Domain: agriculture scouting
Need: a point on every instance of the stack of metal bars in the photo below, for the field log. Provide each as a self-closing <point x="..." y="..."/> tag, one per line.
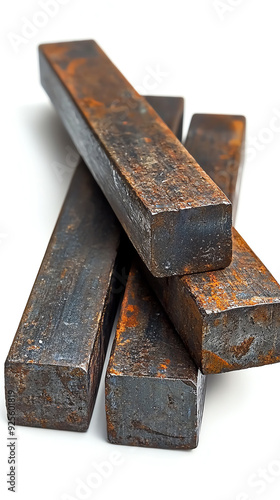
<point x="217" y="307"/>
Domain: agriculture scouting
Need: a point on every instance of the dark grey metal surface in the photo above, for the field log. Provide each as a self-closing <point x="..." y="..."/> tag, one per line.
<point x="218" y="143"/>
<point x="228" y="319"/>
<point x="72" y="306"/>
<point x="154" y="392"/>
<point x="56" y="359"/>
<point x="178" y="220"/>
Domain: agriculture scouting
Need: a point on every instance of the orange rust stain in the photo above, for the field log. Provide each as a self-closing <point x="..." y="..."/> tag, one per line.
<point x="19" y="373"/>
<point x="124" y="342"/>
<point x="218" y="294"/>
<point x="216" y="321"/>
<point x="261" y="315"/>
<point x="77" y="372"/>
<point x="46" y="396"/>
<point x="238" y="126"/>
<point x="269" y="358"/>
<point x="215" y="293"/>
<point x="62" y="276"/>
<point x="73" y="418"/>
<point x="57" y="51"/>
<point x="165" y="364"/>
<point x="92" y="103"/>
<point x="33" y="348"/>
<point x="30" y="361"/>
<point x="147" y="139"/>
<point x="43" y="422"/>
<point x="74" y="65"/>
<point x="162" y="367"/>
<point x="214" y="364"/>
<point x="128" y="319"/>
<point x="243" y="348"/>
<point x="115" y="372"/>
<point x="125" y="123"/>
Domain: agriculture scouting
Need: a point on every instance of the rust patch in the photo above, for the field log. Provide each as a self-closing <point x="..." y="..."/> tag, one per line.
<point x="46" y="396"/>
<point x="77" y="372"/>
<point x="63" y="273"/>
<point x="115" y="372"/>
<point x="269" y="358"/>
<point x="74" y="418"/>
<point x="74" y="65"/>
<point x="162" y="368"/>
<point x="211" y="363"/>
<point x="33" y="348"/>
<point x="261" y="315"/>
<point x="242" y="349"/>
<point x="128" y="319"/>
<point x="92" y="103"/>
<point x="19" y="374"/>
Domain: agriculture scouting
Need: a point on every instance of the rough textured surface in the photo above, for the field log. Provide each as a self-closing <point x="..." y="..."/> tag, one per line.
<point x="176" y="217"/>
<point x="56" y="359"/>
<point x="154" y="392"/>
<point x="217" y="142"/>
<point x="229" y="319"/>
<point x="50" y="371"/>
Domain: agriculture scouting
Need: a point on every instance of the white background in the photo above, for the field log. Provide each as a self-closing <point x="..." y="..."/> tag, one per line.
<point x="221" y="62"/>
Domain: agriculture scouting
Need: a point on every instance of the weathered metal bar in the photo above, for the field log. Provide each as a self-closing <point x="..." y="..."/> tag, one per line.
<point x="176" y="217"/>
<point x="228" y="319"/>
<point x="218" y="142"/>
<point x="74" y="303"/>
<point x="154" y="392"/>
<point x="56" y="359"/>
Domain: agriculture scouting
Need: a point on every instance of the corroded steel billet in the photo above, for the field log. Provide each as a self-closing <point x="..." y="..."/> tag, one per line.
<point x="178" y="220"/>
<point x="57" y="356"/>
<point x="229" y="319"/>
<point x="62" y="338"/>
<point x="217" y="142"/>
<point x="154" y="392"/>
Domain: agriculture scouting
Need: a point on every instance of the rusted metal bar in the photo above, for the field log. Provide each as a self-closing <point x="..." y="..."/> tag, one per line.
<point x="154" y="392"/>
<point x="218" y="142"/>
<point x="176" y="217"/>
<point x="56" y="359"/>
<point x="62" y="338"/>
<point x="228" y="319"/>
